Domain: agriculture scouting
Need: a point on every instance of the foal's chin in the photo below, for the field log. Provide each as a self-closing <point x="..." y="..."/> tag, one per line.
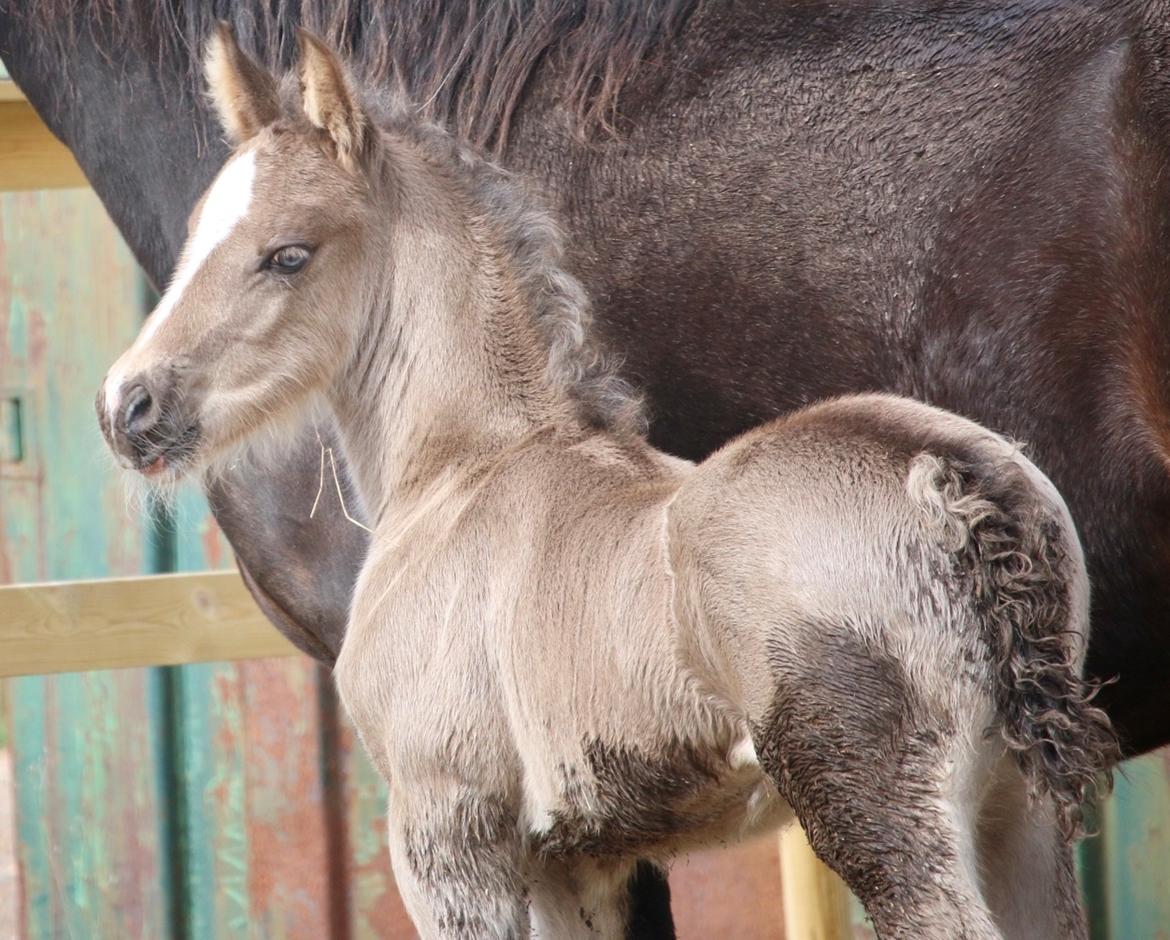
<point x="225" y="448"/>
<point x="156" y="484"/>
<point x="258" y="444"/>
<point x="149" y="492"/>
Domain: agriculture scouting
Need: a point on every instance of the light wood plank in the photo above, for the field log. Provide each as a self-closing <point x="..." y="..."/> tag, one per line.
<point x="9" y="91"/>
<point x="117" y="623"/>
<point x="816" y="901"/>
<point x="30" y="156"/>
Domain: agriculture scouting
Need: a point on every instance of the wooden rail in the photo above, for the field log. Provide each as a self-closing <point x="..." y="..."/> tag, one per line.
<point x="30" y="156"/>
<point x="116" y="623"/>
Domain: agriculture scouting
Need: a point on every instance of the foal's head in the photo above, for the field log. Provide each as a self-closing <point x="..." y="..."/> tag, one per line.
<point x="317" y="226"/>
<point x="277" y="266"/>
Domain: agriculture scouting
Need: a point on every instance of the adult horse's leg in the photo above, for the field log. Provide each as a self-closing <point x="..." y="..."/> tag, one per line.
<point x="649" y="908"/>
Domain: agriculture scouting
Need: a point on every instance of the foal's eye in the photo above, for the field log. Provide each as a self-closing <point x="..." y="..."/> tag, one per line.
<point x="287" y="260"/>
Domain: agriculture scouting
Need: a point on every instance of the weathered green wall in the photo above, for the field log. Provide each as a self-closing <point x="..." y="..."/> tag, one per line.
<point x="85" y="747"/>
<point x="193" y="802"/>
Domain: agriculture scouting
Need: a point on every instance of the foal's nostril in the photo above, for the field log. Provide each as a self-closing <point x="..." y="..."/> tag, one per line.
<point x="136" y="409"/>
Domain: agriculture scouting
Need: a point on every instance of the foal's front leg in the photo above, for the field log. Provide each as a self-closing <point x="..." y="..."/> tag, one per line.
<point x="457" y="862"/>
<point x="585" y="899"/>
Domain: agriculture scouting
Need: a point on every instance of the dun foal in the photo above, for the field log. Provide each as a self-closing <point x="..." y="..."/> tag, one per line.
<point x="568" y="650"/>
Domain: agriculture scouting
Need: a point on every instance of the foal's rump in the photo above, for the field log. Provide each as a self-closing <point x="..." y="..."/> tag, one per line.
<point x="895" y="599"/>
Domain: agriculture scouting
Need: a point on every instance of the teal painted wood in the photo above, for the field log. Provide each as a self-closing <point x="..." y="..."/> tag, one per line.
<point x="88" y="804"/>
<point x="375" y="908"/>
<point x="209" y="760"/>
<point x="252" y="811"/>
<point x="1131" y="857"/>
<point x="182" y="802"/>
<point x="208" y="753"/>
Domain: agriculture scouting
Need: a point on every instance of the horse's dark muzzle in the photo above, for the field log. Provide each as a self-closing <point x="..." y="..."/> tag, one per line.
<point x="147" y="430"/>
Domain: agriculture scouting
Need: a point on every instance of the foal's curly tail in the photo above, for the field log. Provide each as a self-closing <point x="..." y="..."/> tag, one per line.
<point x="1012" y="547"/>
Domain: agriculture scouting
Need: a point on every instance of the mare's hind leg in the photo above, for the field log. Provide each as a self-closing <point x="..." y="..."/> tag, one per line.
<point x="871" y="771"/>
<point x="1029" y="877"/>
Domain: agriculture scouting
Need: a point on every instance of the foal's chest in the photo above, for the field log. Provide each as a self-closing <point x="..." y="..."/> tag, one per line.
<point x="554" y="651"/>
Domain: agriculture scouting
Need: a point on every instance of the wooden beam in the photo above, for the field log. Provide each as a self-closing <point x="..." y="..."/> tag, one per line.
<point x="30" y="156"/>
<point x="114" y="623"/>
<point x="815" y="901"/>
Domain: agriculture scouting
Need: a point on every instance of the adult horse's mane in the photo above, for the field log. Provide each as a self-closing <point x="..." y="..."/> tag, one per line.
<point x="468" y="63"/>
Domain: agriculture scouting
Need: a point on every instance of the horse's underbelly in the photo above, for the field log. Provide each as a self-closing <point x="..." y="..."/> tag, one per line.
<point x="628" y="804"/>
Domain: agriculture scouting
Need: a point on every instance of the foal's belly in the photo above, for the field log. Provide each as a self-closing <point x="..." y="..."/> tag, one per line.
<point x="626" y="804"/>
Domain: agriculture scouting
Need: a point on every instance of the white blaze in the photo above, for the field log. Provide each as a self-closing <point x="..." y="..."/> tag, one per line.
<point x="226" y="204"/>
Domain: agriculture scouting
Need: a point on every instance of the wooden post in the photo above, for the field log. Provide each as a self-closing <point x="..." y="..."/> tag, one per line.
<point x="30" y="156"/>
<point x="816" y="901"/>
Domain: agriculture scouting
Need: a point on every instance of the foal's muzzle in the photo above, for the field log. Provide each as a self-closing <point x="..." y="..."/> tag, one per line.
<point x="145" y="423"/>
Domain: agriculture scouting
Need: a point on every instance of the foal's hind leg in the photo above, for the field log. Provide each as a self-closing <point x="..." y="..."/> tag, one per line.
<point x="580" y="899"/>
<point x="869" y="770"/>
<point x="1029" y="877"/>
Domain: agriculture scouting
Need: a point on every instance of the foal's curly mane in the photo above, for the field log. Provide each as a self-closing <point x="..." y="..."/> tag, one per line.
<point x="578" y="363"/>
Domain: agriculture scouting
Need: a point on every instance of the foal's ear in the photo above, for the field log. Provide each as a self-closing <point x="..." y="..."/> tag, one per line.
<point x="330" y="101"/>
<point x="244" y="94"/>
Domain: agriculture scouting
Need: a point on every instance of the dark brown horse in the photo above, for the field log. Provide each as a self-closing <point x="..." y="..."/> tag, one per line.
<point x="966" y="202"/>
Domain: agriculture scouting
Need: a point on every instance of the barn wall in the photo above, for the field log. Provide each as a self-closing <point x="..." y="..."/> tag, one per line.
<point x="87" y="802"/>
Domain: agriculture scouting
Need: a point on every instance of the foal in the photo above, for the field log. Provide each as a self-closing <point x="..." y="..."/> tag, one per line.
<point x="568" y="650"/>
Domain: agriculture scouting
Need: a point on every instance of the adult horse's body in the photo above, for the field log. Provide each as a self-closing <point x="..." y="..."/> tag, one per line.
<point x="965" y="202"/>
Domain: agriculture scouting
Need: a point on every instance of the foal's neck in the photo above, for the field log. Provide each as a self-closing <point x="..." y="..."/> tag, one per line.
<point x="451" y="368"/>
